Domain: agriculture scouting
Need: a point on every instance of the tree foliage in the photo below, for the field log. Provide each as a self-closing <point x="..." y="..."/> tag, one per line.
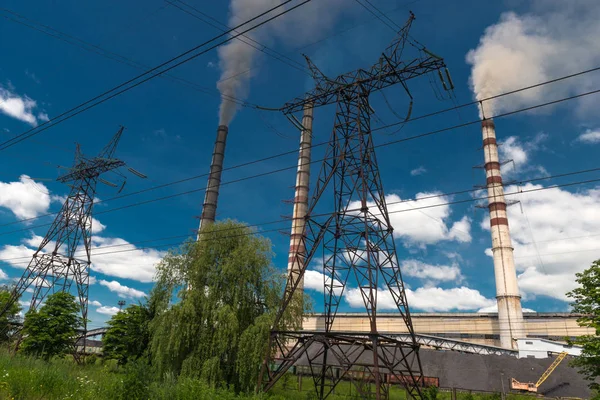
<point x="215" y="302"/>
<point x="52" y="330"/>
<point x="586" y="300"/>
<point x="8" y="319"/>
<point x="127" y="336"/>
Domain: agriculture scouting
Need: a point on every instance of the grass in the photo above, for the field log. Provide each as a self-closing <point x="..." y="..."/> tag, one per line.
<point x="26" y="378"/>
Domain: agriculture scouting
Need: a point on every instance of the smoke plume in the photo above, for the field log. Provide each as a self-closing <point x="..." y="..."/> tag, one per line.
<point x="236" y="57"/>
<point x="556" y="38"/>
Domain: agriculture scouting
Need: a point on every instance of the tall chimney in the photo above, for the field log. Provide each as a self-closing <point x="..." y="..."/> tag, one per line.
<point x="510" y="314"/>
<point x="209" y="208"/>
<point x="301" y="196"/>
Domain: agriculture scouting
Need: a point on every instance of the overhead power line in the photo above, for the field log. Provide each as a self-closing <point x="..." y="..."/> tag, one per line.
<point x="202" y="16"/>
<point x="154" y="72"/>
<point x="378" y="14"/>
<point x="325" y="214"/>
<point x="111" y="55"/>
<point x="462" y="125"/>
<point x="470" y="200"/>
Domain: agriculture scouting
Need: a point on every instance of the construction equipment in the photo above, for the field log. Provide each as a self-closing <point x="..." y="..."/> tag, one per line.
<point x="533" y="387"/>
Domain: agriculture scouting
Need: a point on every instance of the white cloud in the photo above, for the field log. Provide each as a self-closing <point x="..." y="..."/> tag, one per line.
<point x="518" y="151"/>
<point x="3" y="275"/>
<point x="122" y="290"/>
<point x="133" y="264"/>
<point x="556" y="39"/>
<point x="494" y="309"/>
<point x="107" y="310"/>
<point x="511" y="149"/>
<point x="16" y="106"/>
<point x="97" y="226"/>
<point x="557" y="226"/>
<point x="109" y="261"/>
<point x="418" y="171"/>
<point x="43" y="117"/>
<point x="421" y="227"/>
<point x="315" y="280"/>
<point x="590" y="136"/>
<point x="435" y="273"/>
<point x="16" y="256"/>
<point x="423" y="298"/>
<point x="95" y="303"/>
<point x="427" y="299"/>
<point x="25" y="198"/>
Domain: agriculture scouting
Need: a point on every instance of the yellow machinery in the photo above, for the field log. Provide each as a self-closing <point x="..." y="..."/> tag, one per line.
<point x="533" y="387"/>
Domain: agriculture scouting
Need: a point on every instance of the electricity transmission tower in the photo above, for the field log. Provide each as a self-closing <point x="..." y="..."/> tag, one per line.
<point x="356" y="240"/>
<point x="55" y="264"/>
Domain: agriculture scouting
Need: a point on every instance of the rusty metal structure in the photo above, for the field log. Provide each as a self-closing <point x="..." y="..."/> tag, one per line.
<point x="510" y="313"/>
<point x="57" y="264"/>
<point x="356" y="239"/>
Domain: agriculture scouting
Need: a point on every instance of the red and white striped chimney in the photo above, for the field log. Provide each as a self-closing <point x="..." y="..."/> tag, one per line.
<point x="301" y="196"/>
<point x="510" y="314"/>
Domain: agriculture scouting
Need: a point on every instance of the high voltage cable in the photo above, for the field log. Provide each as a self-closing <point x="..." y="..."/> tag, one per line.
<point x="351" y="210"/>
<point x="375" y="14"/>
<point x="31" y="132"/>
<point x="462" y="125"/>
<point x="247" y="40"/>
<point x="82" y="44"/>
<point x="78" y="109"/>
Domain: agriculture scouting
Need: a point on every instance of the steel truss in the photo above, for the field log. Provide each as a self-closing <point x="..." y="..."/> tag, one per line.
<point x="356" y="240"/>
<point x="54" y="265"/>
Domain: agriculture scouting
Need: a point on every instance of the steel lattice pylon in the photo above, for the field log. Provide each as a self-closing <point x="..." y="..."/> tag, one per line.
<point x="356" y="240"/>
<point x="54" y="265"/>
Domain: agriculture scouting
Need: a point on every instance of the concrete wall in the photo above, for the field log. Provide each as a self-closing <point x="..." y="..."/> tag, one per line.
<point x="482" y="328"/>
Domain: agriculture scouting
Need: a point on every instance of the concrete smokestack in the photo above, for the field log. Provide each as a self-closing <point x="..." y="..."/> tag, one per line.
<point x="510" y="314"/>
<point x="209" y="208"/>
<point x="301" y="196"/>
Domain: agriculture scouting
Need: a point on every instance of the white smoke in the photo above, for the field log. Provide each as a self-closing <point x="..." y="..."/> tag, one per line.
<point x="236" y="57"/>
<point x="557" y="38"/>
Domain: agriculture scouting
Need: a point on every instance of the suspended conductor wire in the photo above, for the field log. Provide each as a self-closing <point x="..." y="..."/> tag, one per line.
<point x="269" y="125"/>
<point x="430" y="133"/>
<point x="90" y="47"/>
<point x="99" y="99"/>
<point x="384" y="15"/>
<point x="244" y="39"/>
<point x="358" y="209"/>
<point x="376" y="16"/>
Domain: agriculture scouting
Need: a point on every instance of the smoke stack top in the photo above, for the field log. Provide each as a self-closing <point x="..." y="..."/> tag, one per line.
<point x="209" y="207"/>
<point x="550" y="41"/>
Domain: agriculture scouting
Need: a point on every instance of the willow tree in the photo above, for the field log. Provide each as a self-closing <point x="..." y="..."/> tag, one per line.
<point x="215" y="302"/>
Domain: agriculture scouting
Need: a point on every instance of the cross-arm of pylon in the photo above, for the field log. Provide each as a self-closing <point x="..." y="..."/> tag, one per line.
<point x="389" y="70"/>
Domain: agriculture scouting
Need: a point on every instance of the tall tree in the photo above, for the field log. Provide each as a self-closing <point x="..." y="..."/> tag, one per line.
<point x="52" y="330"/>
<point x="226" y="292"/>
<point x="8" y="319"/>
<point x="586" y="300"/>
<point x="127" y="336"/>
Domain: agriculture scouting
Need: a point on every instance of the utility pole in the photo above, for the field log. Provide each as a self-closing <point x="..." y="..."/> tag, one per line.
<point x="356" y="239"/>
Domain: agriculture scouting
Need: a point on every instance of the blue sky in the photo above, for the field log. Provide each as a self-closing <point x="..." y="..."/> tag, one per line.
<point x="171" y="130"/>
